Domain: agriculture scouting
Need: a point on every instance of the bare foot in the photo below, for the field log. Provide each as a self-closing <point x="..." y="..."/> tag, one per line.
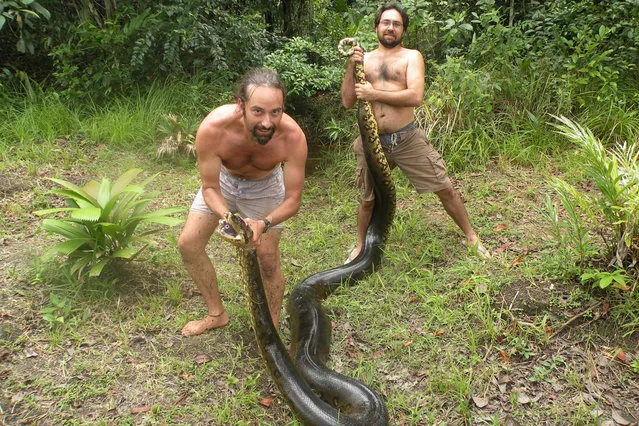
<point x="476" y="248"/>
<point x="209" y="322"/>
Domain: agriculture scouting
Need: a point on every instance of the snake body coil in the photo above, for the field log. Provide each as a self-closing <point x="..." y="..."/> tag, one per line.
<point x="342" y="400"/>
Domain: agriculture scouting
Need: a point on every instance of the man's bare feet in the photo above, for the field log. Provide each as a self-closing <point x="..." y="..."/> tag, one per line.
<point x="476" y="248"/>
<point x="209" y="322"/>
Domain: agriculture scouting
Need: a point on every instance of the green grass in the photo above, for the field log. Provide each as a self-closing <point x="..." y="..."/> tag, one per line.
<point x="430" y="329"/>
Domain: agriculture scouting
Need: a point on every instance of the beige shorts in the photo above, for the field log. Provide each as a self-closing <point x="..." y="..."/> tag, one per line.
<point x="415" y="156"/>
<point x="253" y="199"/>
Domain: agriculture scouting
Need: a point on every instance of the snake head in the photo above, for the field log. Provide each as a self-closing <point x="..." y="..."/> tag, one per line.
<point x="234" y="230"/>
<point x="350" y="42"/>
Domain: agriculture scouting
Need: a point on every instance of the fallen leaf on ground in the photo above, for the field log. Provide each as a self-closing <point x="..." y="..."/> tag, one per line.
<point x="480" y="402"/>
<point x="504" y="356"/>
<point x="181" y="399"/>
<point x="500" y="227"/>
<point x="522" y="398"/>
<point x="352" y="354"/>
<point x="623" y="418"/>
<point x="501" y="248"/>
<point x="267" y="401"/>
<point x="5" y="355"/>
<point x="185" y="376"/>
<point x="516" y="262"/>
<point x="138" y="410"/>
<point x="202" y="358"/>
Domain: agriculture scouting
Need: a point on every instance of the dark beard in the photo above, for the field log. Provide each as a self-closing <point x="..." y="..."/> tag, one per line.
<point x="262" y="139"/>
<point x="389" y="44"/>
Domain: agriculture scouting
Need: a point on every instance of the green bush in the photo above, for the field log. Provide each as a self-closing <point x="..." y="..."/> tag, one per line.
<point x="308" y="67"/>
<point x="170" y="41"/>
<point x="613" y="211"/>
<point x="103" y="222"/>
<point x="594" y="44"/>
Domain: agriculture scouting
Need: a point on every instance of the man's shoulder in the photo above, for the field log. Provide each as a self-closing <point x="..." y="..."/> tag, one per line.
<point x="290" y="125"/>
<point x="220" y="117"/>
<point x="293" y="134"/>
<point x="410" y="53"/>
<point x="223" y="112"/>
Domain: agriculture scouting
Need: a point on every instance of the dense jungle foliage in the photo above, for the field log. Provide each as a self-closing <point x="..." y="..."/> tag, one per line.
<point x="486" y="58"/>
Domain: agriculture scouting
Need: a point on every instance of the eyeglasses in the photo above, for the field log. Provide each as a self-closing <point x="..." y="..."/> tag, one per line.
<point x="387" y="23"/>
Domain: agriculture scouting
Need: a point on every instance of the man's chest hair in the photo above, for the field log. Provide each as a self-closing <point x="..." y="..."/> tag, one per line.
<point x="388" y="70"/>
<point x="261" y="158"/>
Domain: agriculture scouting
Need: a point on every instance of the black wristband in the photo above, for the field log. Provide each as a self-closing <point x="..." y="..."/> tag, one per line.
<point x="267" y="225"/>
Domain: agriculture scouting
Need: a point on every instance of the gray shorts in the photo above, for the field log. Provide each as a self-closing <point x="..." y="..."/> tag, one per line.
<point x="414" y="155"/>
<point x="253" y="199"/>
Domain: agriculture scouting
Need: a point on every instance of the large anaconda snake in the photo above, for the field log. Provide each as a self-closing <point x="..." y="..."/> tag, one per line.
<point x="304" y="377"/>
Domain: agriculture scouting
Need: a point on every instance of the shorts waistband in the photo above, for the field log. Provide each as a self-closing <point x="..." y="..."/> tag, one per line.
<point x="391" y="140"/>
<point x="409" y="126"/>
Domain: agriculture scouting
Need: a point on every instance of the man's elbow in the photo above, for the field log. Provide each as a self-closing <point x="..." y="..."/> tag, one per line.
<point x="417" y="101"/>
<point x="348" y="103"/>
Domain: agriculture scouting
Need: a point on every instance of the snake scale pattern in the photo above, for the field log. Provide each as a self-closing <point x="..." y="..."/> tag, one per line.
<point x="318" y="395"/>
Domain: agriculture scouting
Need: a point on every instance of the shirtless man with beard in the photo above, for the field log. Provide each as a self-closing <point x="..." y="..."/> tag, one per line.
<point x="394" y="87"/>
<point x="241" y="148"/>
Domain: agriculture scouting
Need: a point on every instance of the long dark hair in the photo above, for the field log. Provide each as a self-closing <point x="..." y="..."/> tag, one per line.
<point x="259" y="77"/>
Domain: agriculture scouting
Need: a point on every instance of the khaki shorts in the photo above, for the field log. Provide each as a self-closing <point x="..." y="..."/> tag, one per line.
<point x="253" y="199"/>
<point x="415" y="156"/>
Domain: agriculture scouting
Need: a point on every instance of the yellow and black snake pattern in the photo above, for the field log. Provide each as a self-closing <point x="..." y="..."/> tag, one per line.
<point x="318" y="395"/>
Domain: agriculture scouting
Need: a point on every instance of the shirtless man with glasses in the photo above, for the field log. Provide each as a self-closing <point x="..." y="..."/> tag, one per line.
<point x="395" y="86"/>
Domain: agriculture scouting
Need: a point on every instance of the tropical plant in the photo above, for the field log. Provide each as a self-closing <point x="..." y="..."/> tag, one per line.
<point x="603" y="279"/>
<point x="57" y="311"/>
<point x="616" y="206"/>
<point x="20" y="16"/>
<point x="103" y="221"/>
<point x="177" y="136"/>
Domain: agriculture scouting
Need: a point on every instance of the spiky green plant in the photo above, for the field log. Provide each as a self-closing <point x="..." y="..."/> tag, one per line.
<point x="103" y="220"/>
<point x="616" y="175"/>
<point x="178" y="136"/>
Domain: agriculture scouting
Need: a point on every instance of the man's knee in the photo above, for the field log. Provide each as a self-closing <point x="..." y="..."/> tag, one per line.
<point x="269" y="265"/>
<point x="447" y="194"/>
<point x="189" y="247"/>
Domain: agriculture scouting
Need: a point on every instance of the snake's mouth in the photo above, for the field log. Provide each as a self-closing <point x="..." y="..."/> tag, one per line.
<point x="233" y="229"/>
<point x="228" y="232"/>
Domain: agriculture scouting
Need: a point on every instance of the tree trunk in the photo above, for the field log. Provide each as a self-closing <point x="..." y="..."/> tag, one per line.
<point x="511" y="18"/>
